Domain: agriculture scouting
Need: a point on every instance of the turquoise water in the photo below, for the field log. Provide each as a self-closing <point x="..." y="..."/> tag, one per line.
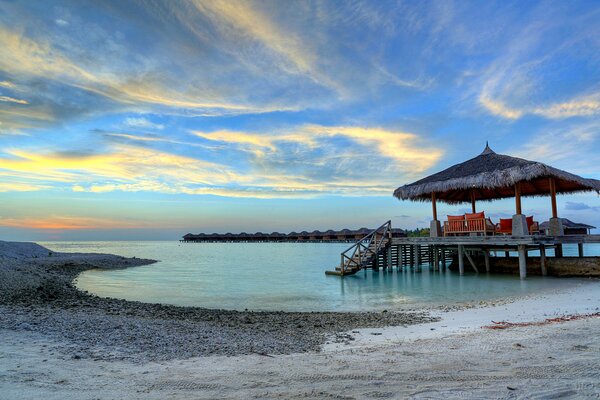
<point x="284" y="276"/>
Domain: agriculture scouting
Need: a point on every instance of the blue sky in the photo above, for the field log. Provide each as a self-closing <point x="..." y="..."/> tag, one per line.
<point x="150" y="119"/>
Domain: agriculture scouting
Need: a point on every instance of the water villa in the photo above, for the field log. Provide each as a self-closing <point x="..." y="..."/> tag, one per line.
<point x="473" y="236"/>
<point x="345" y="235"/>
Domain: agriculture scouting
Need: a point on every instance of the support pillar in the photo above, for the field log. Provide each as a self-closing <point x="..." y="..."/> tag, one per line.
<point x="580" y="249"/>
<point x="543" y="259"/>
<point x="519" y="223"/>
<point x="486" y="255"/>
<point x="435" y="228"/>
<point x="436" y="258"/>
<point x="555" y="226"/>
<point x="461" y="260"/>
<point x="443" y="258"/>
<point x="417" y="250"/>
<point x="522" y="261"/>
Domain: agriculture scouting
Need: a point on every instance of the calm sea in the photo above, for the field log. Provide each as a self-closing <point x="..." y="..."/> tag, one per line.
<point x="284" y="276"/>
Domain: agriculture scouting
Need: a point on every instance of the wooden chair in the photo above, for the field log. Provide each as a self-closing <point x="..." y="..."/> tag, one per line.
<point x="455" y="225"/>
<point x="532" y="226"/>
<point x="477" y="223"/>
<point x="504" y="227"/>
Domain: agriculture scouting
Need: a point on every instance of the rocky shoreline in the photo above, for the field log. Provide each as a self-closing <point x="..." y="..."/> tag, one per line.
<point x="37" y="295"/>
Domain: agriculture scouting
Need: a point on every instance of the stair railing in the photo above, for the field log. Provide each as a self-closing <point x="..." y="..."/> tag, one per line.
<point x="370" y="245"/>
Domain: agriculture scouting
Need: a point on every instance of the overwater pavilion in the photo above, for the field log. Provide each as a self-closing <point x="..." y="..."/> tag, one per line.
<point x="491" y="176"/>
<point x="487" y="177"/>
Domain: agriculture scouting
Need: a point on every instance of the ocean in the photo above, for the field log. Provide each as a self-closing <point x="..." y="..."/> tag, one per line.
<point x="286" y="277"/>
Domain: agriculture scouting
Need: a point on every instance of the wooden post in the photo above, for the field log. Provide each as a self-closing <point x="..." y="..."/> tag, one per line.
<point x="553" y="197"/>
<point x="558" y="250"/>
<point x="522" y="261"/>
<point x="436" y="258"/>
<point x="506" y="254"/>
<point x="433" y="206"/>
<point x="580" y="249"/>
<point x="518" y="198"/>
<point x="473" y="200"/>
<point x="461" y="260"/>
<point x="543" y="259"/>
<point x="443" y="258"/>
<point x="417" y="250"/>
<point x="471" y="262"/>
<point x="486" y="255"/>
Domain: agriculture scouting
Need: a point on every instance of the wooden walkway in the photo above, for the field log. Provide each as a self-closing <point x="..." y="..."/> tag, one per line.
<point x="412" y="252"/>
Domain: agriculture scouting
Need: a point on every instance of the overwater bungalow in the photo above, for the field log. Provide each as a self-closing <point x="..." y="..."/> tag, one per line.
<point x="487" y="177"/>
<point x="569" y="227"/>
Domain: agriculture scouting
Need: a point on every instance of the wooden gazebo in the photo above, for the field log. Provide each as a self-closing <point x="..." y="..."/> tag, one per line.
<point x="491" y="176"/>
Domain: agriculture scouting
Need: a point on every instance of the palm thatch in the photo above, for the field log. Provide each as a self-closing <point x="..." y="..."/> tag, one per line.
<point x="567" y="223"/>
<point x="492" y="176"/>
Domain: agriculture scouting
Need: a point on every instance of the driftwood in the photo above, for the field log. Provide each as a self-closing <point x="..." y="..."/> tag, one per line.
<point x="547" y="321"/>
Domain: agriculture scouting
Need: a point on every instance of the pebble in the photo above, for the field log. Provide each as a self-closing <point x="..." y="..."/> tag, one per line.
<point x="36" y="294"/>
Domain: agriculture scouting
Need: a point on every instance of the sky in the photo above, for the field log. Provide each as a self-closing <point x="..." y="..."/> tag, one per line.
<point x="146" y="120"/>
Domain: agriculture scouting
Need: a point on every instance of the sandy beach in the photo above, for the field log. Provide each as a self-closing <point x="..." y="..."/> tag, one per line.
<point x="60" y="343"/>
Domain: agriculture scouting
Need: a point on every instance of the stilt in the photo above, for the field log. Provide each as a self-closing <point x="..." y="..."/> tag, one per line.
<point x="436" y="258"/>
<point x="471" y="262"/>
<point x="506" y="254"/>
<point x="558" y="250"/>
<point x="486" y="255"/>
<point x="580" y="249"/>
<point x="543" y="259"/>
<point x="443" y="266"/>
<point x="522" y="261"/>
<point x="417" y="250"/>
<point x="461" y="260"/>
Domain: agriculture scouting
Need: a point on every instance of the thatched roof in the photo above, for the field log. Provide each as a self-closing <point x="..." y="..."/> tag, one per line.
<point x="492" y="176"/>
<point x="567" y="223"/>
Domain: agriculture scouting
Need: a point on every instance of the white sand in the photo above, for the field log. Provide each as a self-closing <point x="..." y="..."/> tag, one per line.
<point x="456" y="360"/>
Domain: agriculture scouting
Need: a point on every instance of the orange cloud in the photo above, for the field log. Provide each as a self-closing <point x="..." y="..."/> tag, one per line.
<point x="69" y="223"/>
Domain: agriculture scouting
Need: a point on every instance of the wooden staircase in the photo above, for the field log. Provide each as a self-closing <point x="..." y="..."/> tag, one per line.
<point x="365" y="252"/>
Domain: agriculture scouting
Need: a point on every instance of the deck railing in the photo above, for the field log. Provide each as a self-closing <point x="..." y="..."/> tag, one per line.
<point x="366" y="248"/>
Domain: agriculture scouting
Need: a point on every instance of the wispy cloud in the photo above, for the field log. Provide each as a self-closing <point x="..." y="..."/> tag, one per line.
<point x="531" y="77"/>
<point x="8" y="99"/>
<point x="142" y="123"/>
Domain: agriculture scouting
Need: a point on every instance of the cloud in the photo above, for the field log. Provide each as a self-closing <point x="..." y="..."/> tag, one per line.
<point x="531" y="77"/>
<point x="302" y="162"/>
<point x="571" y="146"/>
<point x="69" y="223"/>
<point x="21" y="187"/>
<point x="8" y="99"/>
<point x="574" y="206"/>
<point x="142" y="123"/>
<point x="405" y="149"/>
<point x="7" y="84"/>
<point x="27" y="59"/>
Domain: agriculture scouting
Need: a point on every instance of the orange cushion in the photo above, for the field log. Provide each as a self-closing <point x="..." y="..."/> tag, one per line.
<point x="505" y="224"/>
<point x="456" y="217"/>
<point x="478" y="215"/>
<point x="529" y="221"/>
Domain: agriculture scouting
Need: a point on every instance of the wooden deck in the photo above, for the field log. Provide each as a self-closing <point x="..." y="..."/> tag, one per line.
<point x="412" y="252"/>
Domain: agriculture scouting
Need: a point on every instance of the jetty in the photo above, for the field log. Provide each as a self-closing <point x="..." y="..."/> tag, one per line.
<point x="472" y="239"/>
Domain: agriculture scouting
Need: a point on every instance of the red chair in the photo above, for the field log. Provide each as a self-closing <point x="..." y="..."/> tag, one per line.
<point x="478" y="223"/>
<point x="455" y="225"/>
<point x="504" y="227"/>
